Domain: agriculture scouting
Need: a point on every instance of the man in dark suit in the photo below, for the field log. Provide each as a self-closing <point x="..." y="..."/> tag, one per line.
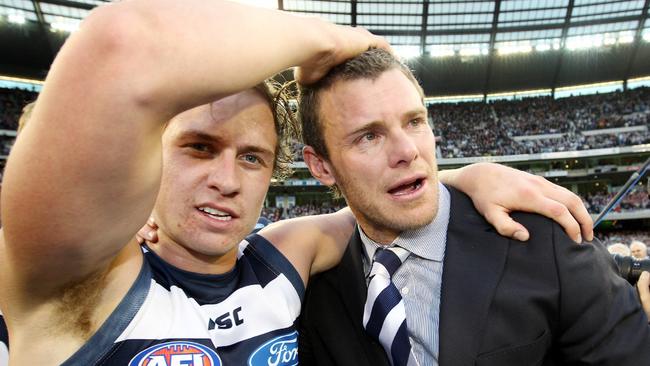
<point x="469" y="295"/>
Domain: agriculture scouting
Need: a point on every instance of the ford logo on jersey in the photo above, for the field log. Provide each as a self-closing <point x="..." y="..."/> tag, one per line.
<point x="280" y="351"/>
<point x="176" y="353"/>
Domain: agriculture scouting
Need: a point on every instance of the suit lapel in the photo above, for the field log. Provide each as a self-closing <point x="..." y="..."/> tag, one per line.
<point x="474" y="259"/>
<point x="350" y="282"/>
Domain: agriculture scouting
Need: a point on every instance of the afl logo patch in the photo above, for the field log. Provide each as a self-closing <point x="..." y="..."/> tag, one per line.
<point x="279" y="351"/>
<point x="176" y="353"/>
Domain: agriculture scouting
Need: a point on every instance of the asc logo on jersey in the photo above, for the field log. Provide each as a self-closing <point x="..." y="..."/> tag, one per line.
<point x="280" y="351"/>
<point x="176" y="353"/>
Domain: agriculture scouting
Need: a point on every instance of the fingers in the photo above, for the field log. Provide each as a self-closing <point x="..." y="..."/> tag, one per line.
<point x="148" y="232"/>
<point x="348" y="42"/>
<point x="561" y="214"/>
<point x="643" y="288"/>
<point x="505" y="225"/>
<point x="561" y="205"/>
<point x="577" y="209"/>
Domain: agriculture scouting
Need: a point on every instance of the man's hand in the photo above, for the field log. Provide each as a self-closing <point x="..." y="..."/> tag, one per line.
<point x="148" y="233"/>
<point x="497" y="190"/>
<point x="643" y="287"/>
<point x="346" y="42"/>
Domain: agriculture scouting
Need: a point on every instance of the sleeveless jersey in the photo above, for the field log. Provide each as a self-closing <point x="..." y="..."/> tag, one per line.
<point x="4" y="342"/>
<point x="172" y="317"/>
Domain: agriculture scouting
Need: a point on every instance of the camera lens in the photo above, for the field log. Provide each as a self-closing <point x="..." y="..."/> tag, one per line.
<point x="630" y="268"/>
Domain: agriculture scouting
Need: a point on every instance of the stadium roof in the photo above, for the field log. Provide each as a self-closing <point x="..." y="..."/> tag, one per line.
<point x="456" y="47"/>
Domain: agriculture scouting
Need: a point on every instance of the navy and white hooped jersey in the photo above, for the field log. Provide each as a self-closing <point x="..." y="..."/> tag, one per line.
<point x="174" y="317"/>
<point x="4" y="342"/>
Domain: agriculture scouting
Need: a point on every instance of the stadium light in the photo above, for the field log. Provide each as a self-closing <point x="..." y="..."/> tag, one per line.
<point x="473" y="50"/>
<point x="512" y="47"/>
<point x="16" y="18"/>
<point x="65" y="26"/>
<point x="543" y="47"/>
<point x="583" y="42"/>
<point x="609" y="39"/>
<point x="556" y="44"/>
<point x="646" y="36"/>
<point x="441" y="51"/>
<point x="470" y="51"/>
<point x="625" y="37"/>
<point x="407" y="52"/>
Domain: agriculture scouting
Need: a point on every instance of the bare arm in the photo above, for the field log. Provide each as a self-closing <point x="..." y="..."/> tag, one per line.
<point x="312" y="243"/>
<point x="83" y="175"/>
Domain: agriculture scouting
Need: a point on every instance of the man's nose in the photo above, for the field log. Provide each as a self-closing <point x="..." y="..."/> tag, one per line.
<point x="403" y="149"/>
<point x="224" y="174"/>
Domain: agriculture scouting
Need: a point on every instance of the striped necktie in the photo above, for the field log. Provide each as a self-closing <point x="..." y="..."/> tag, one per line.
<point x="384" y="316"/>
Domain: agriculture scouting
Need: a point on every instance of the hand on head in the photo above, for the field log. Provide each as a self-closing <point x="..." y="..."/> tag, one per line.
<point x="347" y="42"/>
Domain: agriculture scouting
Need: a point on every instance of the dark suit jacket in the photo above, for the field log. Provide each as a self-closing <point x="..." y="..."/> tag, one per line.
<point x="545" y="302"/>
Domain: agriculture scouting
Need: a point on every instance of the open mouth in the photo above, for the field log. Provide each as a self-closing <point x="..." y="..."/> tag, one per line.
<point x="216" y="214"/>
<point x="407" y="188"/>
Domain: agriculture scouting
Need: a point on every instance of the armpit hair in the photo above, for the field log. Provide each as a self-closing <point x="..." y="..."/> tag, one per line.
<point x="78" y="303"/>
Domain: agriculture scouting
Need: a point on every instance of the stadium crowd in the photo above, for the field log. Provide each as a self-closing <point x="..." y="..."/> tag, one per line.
<point x="281" y="213"/>
<point x="637" y="199"/>
<point x="523" y="126"/>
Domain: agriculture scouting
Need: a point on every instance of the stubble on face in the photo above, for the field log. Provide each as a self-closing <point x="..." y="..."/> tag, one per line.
<point x="366" y="177"/>
<point x="383" y="221"/>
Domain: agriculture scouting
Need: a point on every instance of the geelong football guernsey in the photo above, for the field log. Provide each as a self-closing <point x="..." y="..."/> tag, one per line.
<point x="172" y="317"/>
<point x="4" y="343"/>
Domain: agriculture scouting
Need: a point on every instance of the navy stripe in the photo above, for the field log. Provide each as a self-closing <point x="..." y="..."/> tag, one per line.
<point x="262" y="254"/>
<point x="401" y="346"/>
<point x="388" y="298"/>
<point x="4" y="333"/>
<point x="388" y="259"/>
<point x="202" y="287"/>
<point x="103" y="340"/>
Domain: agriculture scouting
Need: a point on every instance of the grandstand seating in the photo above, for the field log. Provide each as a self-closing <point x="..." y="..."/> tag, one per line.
<point x="542" y="124"/>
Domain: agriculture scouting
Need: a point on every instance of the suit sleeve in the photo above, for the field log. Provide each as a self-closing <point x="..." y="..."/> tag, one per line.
<point x="601" y="319"/>
<point x="305" y="351"/>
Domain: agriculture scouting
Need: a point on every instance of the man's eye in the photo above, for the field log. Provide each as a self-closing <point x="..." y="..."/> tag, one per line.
<point x="199" y="147"/>
<point x="369" y="136"/>
<point x="416" y="122"/>
<point x="251" y="159"/>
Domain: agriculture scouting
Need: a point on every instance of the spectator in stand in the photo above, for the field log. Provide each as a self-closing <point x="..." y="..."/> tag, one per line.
<point x="639" y="250"/>
<point x="623" y="236"/>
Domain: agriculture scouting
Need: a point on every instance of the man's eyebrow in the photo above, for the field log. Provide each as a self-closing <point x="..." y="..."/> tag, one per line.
<point x="368" y="126"/>
<point x="258" y="149"/>
<point x="199" y="135"/>
<point x="416" y="111"/>
<point x="378" y="124"/>
<point x="204" y="136"/>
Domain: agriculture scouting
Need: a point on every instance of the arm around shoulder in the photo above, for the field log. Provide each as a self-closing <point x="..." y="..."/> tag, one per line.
<point x="312" y="243"/>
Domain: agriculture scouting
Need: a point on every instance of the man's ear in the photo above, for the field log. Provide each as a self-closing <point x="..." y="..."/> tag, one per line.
<point x="318" y="167"/>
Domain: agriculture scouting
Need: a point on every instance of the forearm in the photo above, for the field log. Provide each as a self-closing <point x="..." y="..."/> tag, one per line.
<point x="450" y="177"/>
<point x="192" y="52"/>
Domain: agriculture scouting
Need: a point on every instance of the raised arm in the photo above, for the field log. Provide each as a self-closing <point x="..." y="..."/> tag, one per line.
<point x="83" y="175"/>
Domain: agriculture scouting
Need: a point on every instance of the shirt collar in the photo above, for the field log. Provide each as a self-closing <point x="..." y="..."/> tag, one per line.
<point x="427" y="242"/>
